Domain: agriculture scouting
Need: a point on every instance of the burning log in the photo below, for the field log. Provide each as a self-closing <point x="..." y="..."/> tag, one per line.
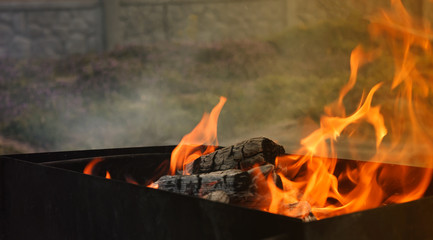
<point x="229" y="174"/>
<point x="231" y="185"/>
<point x="233" y="182"/>
<point x="238" y="174"/>
<point x="218" y="196"/>
<point x="244" y="155"/>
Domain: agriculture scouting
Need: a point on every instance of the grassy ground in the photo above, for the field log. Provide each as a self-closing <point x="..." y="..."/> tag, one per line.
<point x="154" y="94"/>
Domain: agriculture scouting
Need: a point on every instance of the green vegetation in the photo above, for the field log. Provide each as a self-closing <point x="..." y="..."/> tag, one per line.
<point x="154" y="94"/>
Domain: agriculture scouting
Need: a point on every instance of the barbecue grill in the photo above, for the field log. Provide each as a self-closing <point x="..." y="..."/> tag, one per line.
<point x="46" y="196"/>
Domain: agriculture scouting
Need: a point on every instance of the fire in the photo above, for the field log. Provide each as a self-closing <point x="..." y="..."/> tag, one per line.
<point x="89" y="167"/>
<point x="369" y="184"/>
<point x="191" y="145"/>
<point x="311" y="178"/>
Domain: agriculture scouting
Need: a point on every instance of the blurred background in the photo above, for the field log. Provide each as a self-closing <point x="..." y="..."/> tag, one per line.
<point x="86" y="74"/>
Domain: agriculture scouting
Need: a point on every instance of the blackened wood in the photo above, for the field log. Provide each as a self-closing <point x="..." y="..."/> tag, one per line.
<point x="264" y="170"/>
<point x="229" y="186"/>
<point x="243" y="155"/>
<point x="235" y="183"/>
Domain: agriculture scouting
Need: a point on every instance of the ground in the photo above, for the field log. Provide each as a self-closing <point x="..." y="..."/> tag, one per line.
<point x="154" y="94"/>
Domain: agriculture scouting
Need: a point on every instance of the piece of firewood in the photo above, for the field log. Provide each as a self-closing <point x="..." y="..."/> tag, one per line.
<point x="260" y="173"/>
<point x="218" y="196"/>
<point x="231" y="186"/>
<point x="301" y="209"/>
<point x="244" y="155"/>
<point x="235" y="183"/>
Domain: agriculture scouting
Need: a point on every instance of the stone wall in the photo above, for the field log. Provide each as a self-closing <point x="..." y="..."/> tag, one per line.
<point x="205" y="21"/>
<point x="55" y="28"/>
<point x="49" y="29"/>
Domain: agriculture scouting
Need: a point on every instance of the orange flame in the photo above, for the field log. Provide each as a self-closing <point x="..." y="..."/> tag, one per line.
<point x="153" y="185"/>
<point x="369" y="184"/>
<point x="89" y="167"/>
<point x="190" y="147"/>
<point x="313" y="179"/>
<point x="358" y="58"/>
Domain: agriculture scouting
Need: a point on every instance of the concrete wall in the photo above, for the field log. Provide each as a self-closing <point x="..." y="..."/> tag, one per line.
<point x="55" y="28"/>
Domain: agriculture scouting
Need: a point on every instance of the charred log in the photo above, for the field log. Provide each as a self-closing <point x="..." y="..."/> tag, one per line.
<point x="235" y="183"/>
<point x="230" y="186"/>
<point x="244" y="155"/>
<point x="218" y="196"/>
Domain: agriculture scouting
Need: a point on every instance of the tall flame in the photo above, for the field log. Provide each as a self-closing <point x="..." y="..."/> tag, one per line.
<point x="370" y="184"/>
<point x="191" y="145"/>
